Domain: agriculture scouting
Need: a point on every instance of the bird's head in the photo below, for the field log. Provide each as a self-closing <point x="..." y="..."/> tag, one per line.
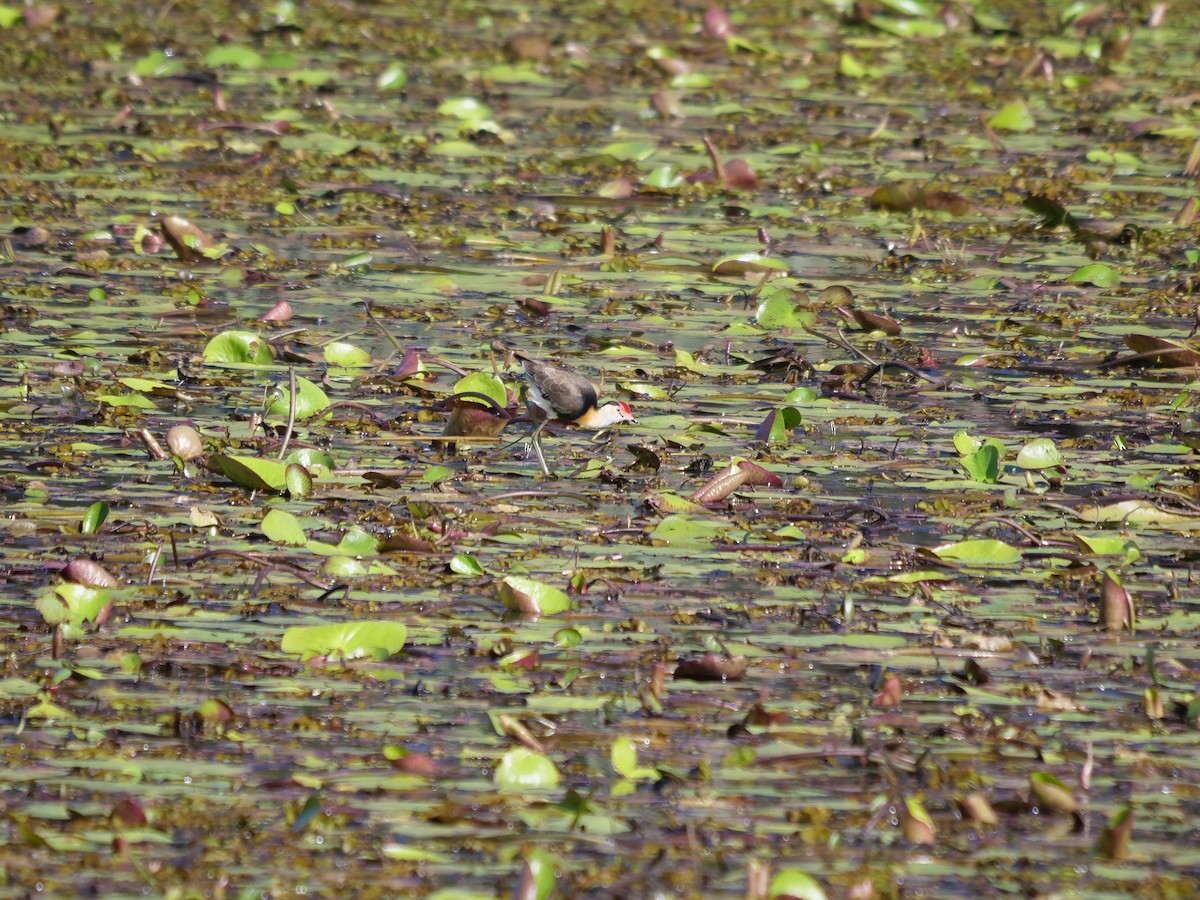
<point x="609" y="413"/>
<point x="619" y="411"/>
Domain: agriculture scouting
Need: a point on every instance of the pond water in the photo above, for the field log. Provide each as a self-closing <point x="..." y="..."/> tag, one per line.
<point x="901" y="297"/>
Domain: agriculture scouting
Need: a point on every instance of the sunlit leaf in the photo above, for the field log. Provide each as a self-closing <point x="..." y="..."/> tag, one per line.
<point x="1096" y="274"/>
<point x="94" y="518"/>
<point x="630" y="151"/>
<point x="73" y="603"/>
<point x="240" y="57"/>
<point x="751" y="263"/>
<point x="237" y="347"/>
<point x="346" y="641"/>
<point x="1051" y="794"/>
<point x="531" y="597"/>
<point x="778" y="310"/>
<point x="483" y="383"/>
<point x="794" y="883"/>
<point x="524" y="770"/>
<point x="685" y="530"/>
<point x="282" y="527"/>
<point x="980" y="552"/>
<point x="468" y="108"/>
<point x="393" y="78"/>
<point x="1105" y="545"/>
<point x="983" y="465"/>
<point x="1041" y="453"/>
<point x="339" y="353"/>
<point x="1013" y="116"/>
<point x="250" y="472"/>
<point x="310" y="400"/>
<point x="1136" y="512"/>
<point x="850" y="67"/>
<point x="465" y="564"/>
<point x="624" y="756"/>
<point x="663" y="178"/>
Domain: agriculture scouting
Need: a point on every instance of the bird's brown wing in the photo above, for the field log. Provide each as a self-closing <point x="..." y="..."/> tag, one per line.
<point x="570" y="393"/>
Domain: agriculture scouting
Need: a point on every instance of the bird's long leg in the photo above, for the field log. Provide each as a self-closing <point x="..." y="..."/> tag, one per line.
<point x="535" y="443"/>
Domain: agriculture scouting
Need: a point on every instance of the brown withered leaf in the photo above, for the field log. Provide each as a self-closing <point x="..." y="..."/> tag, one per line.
<point x="472" y="420"/>
<point x="871" y="321"/>
<point x="734" y="174"/>
<point x="528" y="47"/>
<point x="667" y="104"/>
<point x="410" y="364"/>
<point x="856" y="370"/>
<point x="711" y="667"/>
<point x="534" y="306"/>
<point x="992" y="643"/>
<point x="1117" y="835"/>
<point x="974" y="673"/>
<point x="906" y="196"/>
<point x="976" y="809"/>
<point x="1156" y="351"/>
<point x="759" y="716"/>
<point x="128" y="813"/>
<point x="406" y="543"/>
<point x="415" y="764"/>
<point x="917" y="824"/>
<point x="737" y="173"/>
<point x="1054" y="701"/>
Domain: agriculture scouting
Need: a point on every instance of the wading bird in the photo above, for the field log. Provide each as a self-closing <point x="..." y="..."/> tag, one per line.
<point x="563" y="395"/>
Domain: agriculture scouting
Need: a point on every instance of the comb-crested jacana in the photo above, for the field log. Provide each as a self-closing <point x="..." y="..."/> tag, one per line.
<point x="563" y="395"/>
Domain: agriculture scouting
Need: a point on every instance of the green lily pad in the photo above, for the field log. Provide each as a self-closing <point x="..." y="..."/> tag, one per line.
<point x="339" y="353"/>
<point x="1096" y="274"/>
<point x="1041" y="453"/>
<point x="393" y="78"/>
<point x="794" y="883"/>
<point x="238" y="348"/>
<point x="1013" y="116"/>
<point x="310" y="400"/>
<point x="346" y="641"/>
<point x="624" y="756"/>
<point x="282" y="527"/>
<point x="525" y="595"/>
<point x="251" y="472"/>
<point x="483" y="383"/>
<point x="522" y="769"/>
<point x="980" y="552"/>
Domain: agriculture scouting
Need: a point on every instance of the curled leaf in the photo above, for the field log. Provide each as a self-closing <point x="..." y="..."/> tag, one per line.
<point x="185" y="442"/>
<point x="1117" y="835"/>
<point x="1051" y="794"/>
<point x="890" y="695"/>
<point x="917" y="823"/>
<point x="1116" y="606"/>
<point x="976" y="809"/>
<point x="188" y="241"/>
<point x="733" y="477"/>
<point x="88" y="573"/>
<point x="1155" y="351"/>
<point x="530" y="597"/>
<point x="871" y="321"/>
